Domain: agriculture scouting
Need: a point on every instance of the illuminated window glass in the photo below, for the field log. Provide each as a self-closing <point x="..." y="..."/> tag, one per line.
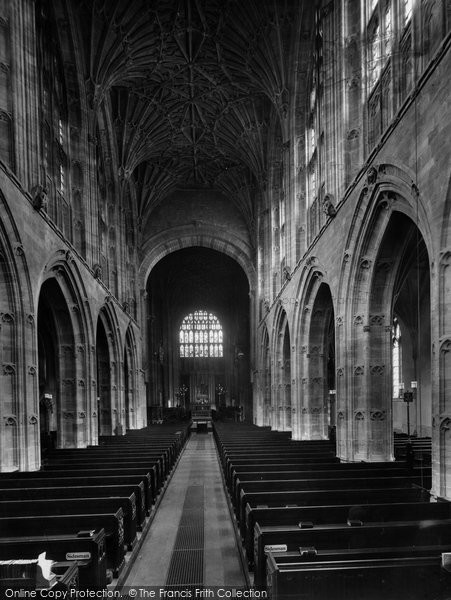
<point x="201" y="336"/>
<point x="407" y="6"/>
<point x="396" y="358"/>
<point x="388" y="33"/>
<point x="374" y="58"/>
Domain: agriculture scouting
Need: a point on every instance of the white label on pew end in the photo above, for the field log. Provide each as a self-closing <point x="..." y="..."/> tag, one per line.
<point x="275" y="548"/>
<point x="446" y="561"/>
<point x="78" y="555"/>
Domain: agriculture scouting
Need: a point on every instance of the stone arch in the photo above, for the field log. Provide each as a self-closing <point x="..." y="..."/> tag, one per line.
<point x="64" y="342"/>
<point x="203" y="236"/>
<point x="281" y="373"/>
<point x="109" y="365"/>
<point x="264" y="409"/>
<point x="316" y="341"/>
<point x="394" y="223"/>
<point x="18" y="370"/>
<point x="385" y="188"/>
<point x="131" y="398"/>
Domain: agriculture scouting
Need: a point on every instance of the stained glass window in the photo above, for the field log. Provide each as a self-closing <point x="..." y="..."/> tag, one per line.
<point x="396" y="358"/>
<point x="201" y="336"/>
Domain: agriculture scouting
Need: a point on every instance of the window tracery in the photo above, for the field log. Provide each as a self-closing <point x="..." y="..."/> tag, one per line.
<point x="53" y="119"/>
<point x="201" y="336"/>
<point x="396" y="358"/>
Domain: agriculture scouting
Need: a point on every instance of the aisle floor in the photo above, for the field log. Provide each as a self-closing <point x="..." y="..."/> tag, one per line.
<point x="191" y="540"/>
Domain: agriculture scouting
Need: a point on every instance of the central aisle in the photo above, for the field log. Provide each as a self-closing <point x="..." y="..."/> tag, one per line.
<point x="191" y="540"/>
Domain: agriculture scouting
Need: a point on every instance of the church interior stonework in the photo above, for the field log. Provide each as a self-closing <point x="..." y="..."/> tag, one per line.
<point x="223" y="224"/>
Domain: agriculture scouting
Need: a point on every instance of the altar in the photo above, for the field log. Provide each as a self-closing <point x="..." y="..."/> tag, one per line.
<point x="201" y="413"/>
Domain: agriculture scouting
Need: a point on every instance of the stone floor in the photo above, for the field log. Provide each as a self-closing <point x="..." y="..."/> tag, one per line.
<point x="191" y="540"/>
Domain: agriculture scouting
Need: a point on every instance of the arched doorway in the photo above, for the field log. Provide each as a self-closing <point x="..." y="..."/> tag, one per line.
<point x="57" y="369"/>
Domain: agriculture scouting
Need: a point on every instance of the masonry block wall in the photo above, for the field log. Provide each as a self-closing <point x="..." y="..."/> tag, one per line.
<point x="377" y="223"/>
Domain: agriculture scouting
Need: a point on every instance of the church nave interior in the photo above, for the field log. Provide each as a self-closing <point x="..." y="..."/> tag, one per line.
<point x="225" y="297"/>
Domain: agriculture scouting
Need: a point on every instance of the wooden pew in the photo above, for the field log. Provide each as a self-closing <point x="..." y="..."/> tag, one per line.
<point x="50" y="525"/>
<point x="114" y="452"/>
<point x="136" y="485"/>
<point x="92" y="462"/>
<point x="331" y="497"/>
<point x="133" y="475"/>
<point x="45" y="506"/>
<point x="124" y="474"/>
<point x="370" y="575"/>
<point x="87" y="548"/>
<point x="152" y="461"/>
<point x="305" y="485"/>
<point x="324" y="470"/>
<point x="72" y="492"/>
<point x="392" y="534"/>
<point x="275" y="463"/>
<point x="167" y="447"/>
<point x="334" y="473"/>
<point x="328" y="514"/>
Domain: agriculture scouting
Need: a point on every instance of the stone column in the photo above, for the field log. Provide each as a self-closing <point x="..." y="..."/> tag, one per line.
<point x="441" y="378"/>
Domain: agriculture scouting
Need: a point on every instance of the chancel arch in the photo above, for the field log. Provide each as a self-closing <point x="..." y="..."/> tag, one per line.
<point x="199" y="235"/>
<point x="198" y="333"/>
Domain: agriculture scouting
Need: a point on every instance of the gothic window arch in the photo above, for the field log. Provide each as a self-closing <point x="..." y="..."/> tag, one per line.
<point x="396" y="358"/>
<point x="201" y="336"/>
<point x="378" y="68"/>
<point x="54" y="119"/>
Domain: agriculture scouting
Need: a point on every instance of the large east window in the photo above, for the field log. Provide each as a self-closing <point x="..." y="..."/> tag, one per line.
<point x="201" y="336"/>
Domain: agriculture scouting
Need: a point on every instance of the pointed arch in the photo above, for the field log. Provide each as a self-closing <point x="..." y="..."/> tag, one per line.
<point x="62" y="307"/>
<point x="390" y="223"/>
<point x="109" y="365"/>
<point x="281" y="373"/>
<point x="18" y="374"/>
<point x="198" y="235"/>
<point x="263" y="410"/>
<point x="131" y="390"/>
<point x="315" y="340"/>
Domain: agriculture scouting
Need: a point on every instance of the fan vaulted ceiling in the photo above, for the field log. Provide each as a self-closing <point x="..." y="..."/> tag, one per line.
<point x="191" y="89"/>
